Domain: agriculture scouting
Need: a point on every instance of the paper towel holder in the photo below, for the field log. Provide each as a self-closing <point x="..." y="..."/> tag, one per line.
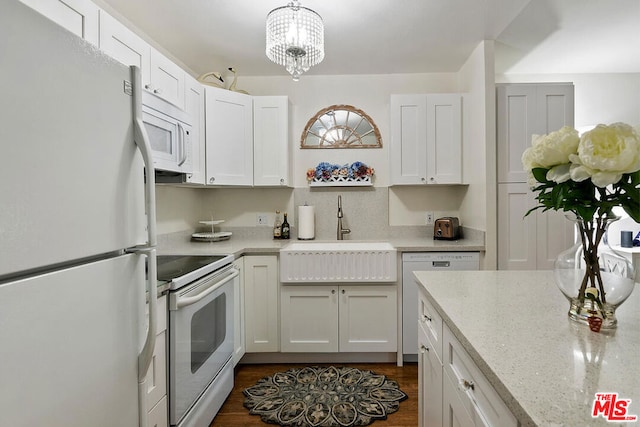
<point x="306" y="222"/>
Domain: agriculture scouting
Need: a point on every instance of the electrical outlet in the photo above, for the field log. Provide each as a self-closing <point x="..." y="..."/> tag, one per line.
<point x="429" y="217"/>
<point x="262" y="219"/>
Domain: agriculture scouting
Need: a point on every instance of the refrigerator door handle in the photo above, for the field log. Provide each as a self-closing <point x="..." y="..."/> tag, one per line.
<point x="146" y="354"/>
<point x="142" y="141"/>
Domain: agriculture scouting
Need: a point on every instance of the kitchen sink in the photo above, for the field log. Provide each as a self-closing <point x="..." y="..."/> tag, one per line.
<point x="338" y="262"/>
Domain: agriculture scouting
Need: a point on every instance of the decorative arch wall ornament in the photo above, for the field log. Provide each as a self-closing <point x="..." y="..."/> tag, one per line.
<point x="341" y="126"/>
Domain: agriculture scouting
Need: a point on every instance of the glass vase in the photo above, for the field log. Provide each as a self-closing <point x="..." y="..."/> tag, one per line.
<point x="594" y="279"/>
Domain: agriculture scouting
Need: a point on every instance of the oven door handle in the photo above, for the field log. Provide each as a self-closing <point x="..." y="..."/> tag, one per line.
<point x="185" y="301"/>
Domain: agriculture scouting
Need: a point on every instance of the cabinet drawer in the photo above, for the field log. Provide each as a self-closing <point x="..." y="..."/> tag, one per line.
<point x="431" y="322"/>
<point x="478" y="397"/>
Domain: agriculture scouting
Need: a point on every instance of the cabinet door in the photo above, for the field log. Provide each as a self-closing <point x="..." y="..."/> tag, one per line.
<point x="124" y="45"/>
<point x="238" y="313"/>
<point x="555" y="107"/>
<point x="444" y="139"/>
<point x="229" y="137"/>
<point x="532" y="242"/>
<point x="517" y="239"/>
<point x="194" y="105"/>
<point x="429" y="384"/>
<point x="271" y="142"/>
<point x="408" y="148"/>
<point x="454" y="414"/>
<point x="309" y="318"/>
<point x="158" y="416"/>
<point x="166" y="79"/>
<point x="261" y="305"/>
<point x="525" y="110"/>
<point x="368" y="318"/>
<point x="517" y="121"/>
<point x="156" y="379"/>
<point x="78" y="16"/>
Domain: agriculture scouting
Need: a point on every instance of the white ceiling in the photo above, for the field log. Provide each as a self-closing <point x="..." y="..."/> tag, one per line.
<point x="401" y="36"/>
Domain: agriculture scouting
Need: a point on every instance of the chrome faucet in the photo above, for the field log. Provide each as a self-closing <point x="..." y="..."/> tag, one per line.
<point x="341" y="231"/>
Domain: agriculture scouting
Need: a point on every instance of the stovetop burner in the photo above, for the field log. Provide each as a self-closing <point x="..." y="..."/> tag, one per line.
<point x="181" y="270"/>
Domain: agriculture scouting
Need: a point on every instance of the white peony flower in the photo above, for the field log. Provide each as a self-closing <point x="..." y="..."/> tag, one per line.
<point x="560" y="173"/>
<point x="551" y="150"/>
<point x="605" y="153"/>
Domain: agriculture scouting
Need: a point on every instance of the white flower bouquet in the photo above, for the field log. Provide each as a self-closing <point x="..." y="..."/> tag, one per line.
<point x="588" y="176"/>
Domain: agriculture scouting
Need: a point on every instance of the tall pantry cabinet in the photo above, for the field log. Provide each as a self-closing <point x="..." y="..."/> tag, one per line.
<point x="532" y="242"/>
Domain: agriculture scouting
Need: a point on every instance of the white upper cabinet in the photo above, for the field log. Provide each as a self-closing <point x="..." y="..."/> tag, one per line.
<point x="78" y="16"/>
<point x="426" y="139"/>
<point x="166" y="79"/>
<point x="159" y="74"/>
<point x="194" y="106"/>
<point x="124" y="45"/>
<point x="271" y="142"/>
<point x="525" y="110"/>
<point x="229" y="137"/>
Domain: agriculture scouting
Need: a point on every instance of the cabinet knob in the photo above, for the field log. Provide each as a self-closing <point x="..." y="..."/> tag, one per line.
<point x="425" y="318"/>
<point x="432" y="179"/>
<point x="333" y="291"/>
<point x="281" y="181"/>
<point x="157" y="91"/>
<point x="212" y="180"/>
<point x="423" y="179"/>
<point x="423" y="349"/>
<point x="468" y="385"/>
<point x="148" y="86"/>
<point x="344" y="292"/>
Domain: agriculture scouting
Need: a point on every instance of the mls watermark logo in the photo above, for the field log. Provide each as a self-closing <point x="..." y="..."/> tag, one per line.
<point x="609" y="407"/>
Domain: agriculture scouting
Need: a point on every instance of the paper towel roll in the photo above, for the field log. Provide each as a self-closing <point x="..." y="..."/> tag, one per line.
<point x="306" y="222"/>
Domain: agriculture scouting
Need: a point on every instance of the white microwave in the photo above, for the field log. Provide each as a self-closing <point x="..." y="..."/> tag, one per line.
<point x="169" y="130"/>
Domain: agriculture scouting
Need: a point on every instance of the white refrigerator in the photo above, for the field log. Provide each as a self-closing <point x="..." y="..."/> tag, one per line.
<point x="77" y="223"/>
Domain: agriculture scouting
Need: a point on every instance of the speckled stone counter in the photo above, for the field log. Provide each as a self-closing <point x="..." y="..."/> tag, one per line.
<point x="546" y="368"/>
<point x="251" y="242"/>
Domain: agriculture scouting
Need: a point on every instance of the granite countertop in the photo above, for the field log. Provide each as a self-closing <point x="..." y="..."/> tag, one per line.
<point x="546" y="368"/>
<point x="256" y="243"/>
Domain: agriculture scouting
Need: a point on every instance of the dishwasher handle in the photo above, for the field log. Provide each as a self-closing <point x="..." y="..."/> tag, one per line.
<point x="441" y="264"/>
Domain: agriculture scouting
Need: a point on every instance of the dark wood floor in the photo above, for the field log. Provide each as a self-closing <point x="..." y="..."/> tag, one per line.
<point x="233" y="413"/>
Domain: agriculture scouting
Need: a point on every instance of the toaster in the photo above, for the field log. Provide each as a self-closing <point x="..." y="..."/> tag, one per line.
<point x="446" y="228"/>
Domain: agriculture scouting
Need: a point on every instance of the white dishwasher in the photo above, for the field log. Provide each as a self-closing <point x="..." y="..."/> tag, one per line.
<point x="425" y="261"/>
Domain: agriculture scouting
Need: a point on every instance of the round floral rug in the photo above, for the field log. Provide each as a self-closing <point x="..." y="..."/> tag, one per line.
<point x="323" y="396"/>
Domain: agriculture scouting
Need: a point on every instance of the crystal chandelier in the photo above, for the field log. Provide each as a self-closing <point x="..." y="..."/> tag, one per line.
<point x="295" y="38"/>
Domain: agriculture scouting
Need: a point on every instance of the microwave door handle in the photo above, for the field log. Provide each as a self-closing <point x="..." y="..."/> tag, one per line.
<point x="185" y="301"/>
<point x="141" y="139"/>
<point x="182" y="138"/>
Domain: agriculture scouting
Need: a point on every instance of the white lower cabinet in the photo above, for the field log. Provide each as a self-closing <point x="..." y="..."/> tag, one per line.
<point x="451" y="390"/>
<point x="453" y="411"/>
<point x="238" y="313"/>
<point x="156" y="379"/>
<point x="338" y="318"/>
<point x="478" y="397"/>
<point x="157" y="416"/>
<point x="430" y="380"/>
<point x="261" y="306"/>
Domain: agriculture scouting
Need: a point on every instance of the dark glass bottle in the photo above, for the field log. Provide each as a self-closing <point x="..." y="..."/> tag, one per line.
<point x="285" y="228"/>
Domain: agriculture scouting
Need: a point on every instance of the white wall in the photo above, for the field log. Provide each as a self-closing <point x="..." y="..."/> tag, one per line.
<point x="478" y="208"/>
<point x="370" y="93"/>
